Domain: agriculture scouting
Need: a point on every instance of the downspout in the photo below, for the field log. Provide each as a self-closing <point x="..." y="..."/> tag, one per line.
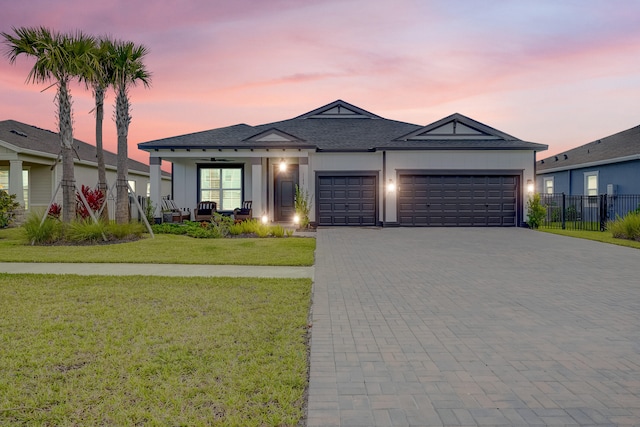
<point x="384" y="183"/>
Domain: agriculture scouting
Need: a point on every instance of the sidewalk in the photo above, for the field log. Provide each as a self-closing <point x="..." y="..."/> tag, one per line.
<point x="188" y="270"/>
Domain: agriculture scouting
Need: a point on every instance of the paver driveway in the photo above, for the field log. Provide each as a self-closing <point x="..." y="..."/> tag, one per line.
<point x="465" y="327"/>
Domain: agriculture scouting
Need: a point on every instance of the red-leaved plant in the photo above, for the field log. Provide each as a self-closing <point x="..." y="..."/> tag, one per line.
<point x="55" y="210"/>
<point x="95" y="198"/>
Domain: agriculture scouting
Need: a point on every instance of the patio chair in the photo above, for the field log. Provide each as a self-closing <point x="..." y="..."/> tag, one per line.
<point x="177" y="214"/>
<point x="244" y="213"/>
<point x="205" y="211"/>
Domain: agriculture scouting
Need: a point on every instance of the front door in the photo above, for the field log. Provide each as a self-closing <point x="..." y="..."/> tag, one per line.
<point x="285" y="191"/>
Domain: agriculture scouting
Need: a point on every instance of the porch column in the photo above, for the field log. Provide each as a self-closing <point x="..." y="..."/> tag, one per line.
<point x="155" y="187"/>
<point x="256" y="187"/>
<point x="15" y="180"/>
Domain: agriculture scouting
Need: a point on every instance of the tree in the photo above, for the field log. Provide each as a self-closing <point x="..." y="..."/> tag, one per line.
<point x="59" y="58"/>
<point x="128" y="69"/>
<point x="98" y="78"/>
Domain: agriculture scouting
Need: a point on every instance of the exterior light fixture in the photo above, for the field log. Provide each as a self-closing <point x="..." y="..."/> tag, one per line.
<point x="283" y="166"/>
<point x="530" y="186"/>
<point x="296" y="219"/>
<point x="391" y="186"/>
<point x="265" y="219"/>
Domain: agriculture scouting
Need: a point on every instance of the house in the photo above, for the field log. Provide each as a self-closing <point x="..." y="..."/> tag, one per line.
<point x="31" y="169"/>
<point x="608" y="165"/>
<point x="358" y="168"/>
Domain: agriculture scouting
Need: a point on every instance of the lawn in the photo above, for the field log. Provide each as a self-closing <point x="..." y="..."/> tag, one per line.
<point x="96" y="350"/>
<point x="599" y="236"/>
<point x="166" y="249"/>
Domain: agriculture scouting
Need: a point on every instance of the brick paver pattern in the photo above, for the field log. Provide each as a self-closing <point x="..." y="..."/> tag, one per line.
<point x="473" y="327"/>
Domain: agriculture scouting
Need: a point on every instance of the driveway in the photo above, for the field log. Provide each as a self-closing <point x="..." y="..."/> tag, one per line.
<point x="466" y="327"/>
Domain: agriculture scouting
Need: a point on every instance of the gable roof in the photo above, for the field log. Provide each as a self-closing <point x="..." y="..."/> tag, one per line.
<point x="622" y="146"/>
<point x="340" y="126"/>
<point x="28" y="139"/>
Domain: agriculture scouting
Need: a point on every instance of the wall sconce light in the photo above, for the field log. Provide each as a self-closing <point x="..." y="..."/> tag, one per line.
<point x="530" y="186"/>
<point x="391" y="187"/>
<point x="283" y="166"/>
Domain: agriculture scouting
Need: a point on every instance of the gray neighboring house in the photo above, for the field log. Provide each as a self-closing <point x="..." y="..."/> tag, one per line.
<point x="608" y="165"/>
<point x="359" y="169"/>
<point x="31" y="169"/>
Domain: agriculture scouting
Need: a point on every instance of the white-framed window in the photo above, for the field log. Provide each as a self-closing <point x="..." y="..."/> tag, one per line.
<point x="547" y="184"/>
<point x="222" y="185"/>
<point x="4" y="184"/>
<point x="132" y="184"/>
<point x="591" y="183"/>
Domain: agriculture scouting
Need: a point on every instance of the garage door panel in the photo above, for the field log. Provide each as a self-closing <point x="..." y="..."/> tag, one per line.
<point x="457" y="200"/>
<point x="347" y="200"/>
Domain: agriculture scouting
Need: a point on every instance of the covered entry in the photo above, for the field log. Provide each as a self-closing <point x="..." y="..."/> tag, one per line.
<point x="458" y="200"/>
<point x="347" y="199"/>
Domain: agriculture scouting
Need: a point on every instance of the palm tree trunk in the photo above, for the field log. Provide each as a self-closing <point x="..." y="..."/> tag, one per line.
<point x="122" y="124"/>
<point x="66" y="144"/>
<point x="102" y="173"/>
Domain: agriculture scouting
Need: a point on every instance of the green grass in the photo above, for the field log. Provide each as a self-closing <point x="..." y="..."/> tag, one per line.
<point x="598" y="236"/>
<point x="165" y="249"/>
<point x="137" y="350"/>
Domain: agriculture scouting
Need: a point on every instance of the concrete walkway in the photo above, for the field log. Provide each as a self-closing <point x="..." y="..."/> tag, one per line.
<point x="473" y="327"/>
<point x="158" y="270"/>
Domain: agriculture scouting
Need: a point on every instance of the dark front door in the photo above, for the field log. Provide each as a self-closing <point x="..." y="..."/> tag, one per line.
<point x="285" y="191"/>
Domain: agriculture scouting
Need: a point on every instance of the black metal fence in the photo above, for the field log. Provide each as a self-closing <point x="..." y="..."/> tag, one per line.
<point x="586" y="212"/>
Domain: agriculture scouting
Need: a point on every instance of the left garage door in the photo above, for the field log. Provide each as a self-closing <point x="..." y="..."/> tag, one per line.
<point x="347" y="199"/>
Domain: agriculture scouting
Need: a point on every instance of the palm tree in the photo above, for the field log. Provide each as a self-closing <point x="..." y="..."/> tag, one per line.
<point x="128" y="69"/>
<point x="98" y="79"/>
<point x="59" y="58"/>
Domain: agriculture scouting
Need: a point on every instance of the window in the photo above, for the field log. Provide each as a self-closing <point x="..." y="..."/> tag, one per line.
<point x="132" y="184"/>
<point x="222" y="185"/>
<point x="591" y="183"/>
<point x="548" y="185"/>
<point x="4" y="184"/>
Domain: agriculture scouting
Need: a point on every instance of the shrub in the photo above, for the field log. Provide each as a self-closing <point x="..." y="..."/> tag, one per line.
<point x="125" y="231"/>
<point x="572" y="213"/>
<point x="85" y="231"/>
<point x="49" y="232"/>
<point x="626" y="228"/>
<point x="535" y="211"/>
<point x="95" y="198"/>
<point x="55" y="210"/>
<point x="8" y="205"/>
<point x="302" y="206"/>
<point x="277" y="231"/>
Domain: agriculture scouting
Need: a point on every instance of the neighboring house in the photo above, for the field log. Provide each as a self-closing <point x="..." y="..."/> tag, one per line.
<point x="609" y="165"/>
<point x="359" y="169"/>
<point x="31" y="169"/>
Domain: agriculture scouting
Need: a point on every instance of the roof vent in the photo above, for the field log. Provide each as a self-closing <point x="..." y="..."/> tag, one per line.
<point x="556" y="158"/>
<point x="17" y="132"/>
<point x="566" y="157"/>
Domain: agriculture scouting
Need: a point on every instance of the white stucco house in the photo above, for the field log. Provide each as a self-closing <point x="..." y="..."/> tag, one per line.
<point x="31" y="169"/>
<point x="359" y="169"/>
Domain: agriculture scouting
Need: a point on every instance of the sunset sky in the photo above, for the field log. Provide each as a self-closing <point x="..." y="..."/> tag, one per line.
<point x="556" y="72"/>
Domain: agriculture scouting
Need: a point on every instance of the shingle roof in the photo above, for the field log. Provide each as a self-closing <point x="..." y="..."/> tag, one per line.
<point x="340" y="126"/>
<point x="619" y="146"/>
<point x="27" y="137"/>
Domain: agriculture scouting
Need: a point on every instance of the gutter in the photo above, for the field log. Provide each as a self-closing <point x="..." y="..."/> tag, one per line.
<point x="590" y="164"/>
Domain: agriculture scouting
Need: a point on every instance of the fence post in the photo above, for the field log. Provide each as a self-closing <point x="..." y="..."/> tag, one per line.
<point x="564" y="226"/>
<point x="603" y="212"/>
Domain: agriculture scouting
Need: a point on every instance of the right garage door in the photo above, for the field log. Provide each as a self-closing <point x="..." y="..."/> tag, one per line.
<point x="458" y="200"/>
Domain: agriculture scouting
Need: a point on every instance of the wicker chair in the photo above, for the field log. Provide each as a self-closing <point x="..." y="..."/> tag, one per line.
<point x="244" y="213"/>
<point x="177" y="214"/>
<point x="205" y="211"/>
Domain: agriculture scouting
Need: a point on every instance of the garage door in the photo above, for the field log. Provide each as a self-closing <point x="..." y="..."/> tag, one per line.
<point x="457" y="200"/>
<point x="347" y="200"/>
